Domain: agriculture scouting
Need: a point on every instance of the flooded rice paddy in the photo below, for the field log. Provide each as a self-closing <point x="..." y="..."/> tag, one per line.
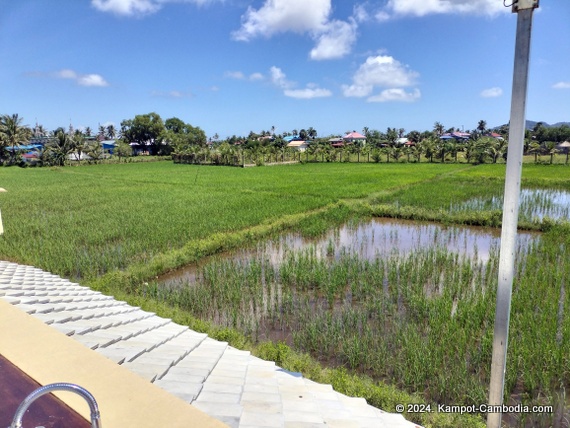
<point x="379" y="238"/>
<point x="535" y="204"/>
<point x="407" y="302"/>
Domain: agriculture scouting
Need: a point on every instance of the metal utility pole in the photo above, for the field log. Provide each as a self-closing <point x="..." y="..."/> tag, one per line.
<point x="1" y="227"/>
<point x="524" y="9"/>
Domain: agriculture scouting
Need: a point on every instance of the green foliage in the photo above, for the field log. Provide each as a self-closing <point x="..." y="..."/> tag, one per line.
<point x="144" y="129"/>
<point x="120" y="226"/>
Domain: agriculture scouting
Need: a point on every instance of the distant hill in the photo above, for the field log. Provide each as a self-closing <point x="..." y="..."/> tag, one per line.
<point x="530" y="124"/>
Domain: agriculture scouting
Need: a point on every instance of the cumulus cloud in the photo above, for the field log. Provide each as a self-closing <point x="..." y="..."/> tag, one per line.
<point x="307" y="93"/>
<point x="335" y="41"/>
<point x="279" y="79"/>
<point x="561" y="85"/>
<point x="81" y="79"/>
<point x="427" y="7"/>
<point x="138" y="7"/>
<point x="492" y="92"/>
<point x="380" y="71"/>
<point x="333" y="38"/>
<point x="279" y="16"/>
<point x="396" y="94"/>
<point x="92" y="80"/>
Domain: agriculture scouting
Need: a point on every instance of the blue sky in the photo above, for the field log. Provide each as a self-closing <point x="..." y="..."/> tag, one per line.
<point x="235" y="66"/>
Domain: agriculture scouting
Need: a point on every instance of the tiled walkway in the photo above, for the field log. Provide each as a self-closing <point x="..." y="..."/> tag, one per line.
<point x="226" y="383"/>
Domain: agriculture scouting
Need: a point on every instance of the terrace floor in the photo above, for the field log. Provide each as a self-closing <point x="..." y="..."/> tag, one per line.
<point x="145" y="370"/>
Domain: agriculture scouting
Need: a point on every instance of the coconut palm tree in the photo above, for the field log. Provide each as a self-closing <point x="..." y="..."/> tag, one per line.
<point x="482" y="126"/>
<point x="417" y="151"/>
<point x="78" y="142"/>
<point x="535" y="149"/>
<point x="429" y="147"/>
<point x="494" y="148"/>
<point x="550" y="147"/>
<point x="111" y="132"/>
<point x="312" y="133"/>
<point x="438" y="129"/>
<point x="13" y="134"/>
<point x="59" y="148"/>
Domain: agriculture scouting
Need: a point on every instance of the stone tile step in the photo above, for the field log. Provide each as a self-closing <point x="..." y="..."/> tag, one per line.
<point x="53" y="317"/>
<point x="149" y="372"/>
<point x="137" y="327"/>
<point x="103" y="338"/>
<point x="185" y="390"/>
<point x="121" y="353"/>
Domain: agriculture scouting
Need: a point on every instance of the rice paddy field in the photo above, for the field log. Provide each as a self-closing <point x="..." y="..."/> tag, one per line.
<point x="303" y="256"/>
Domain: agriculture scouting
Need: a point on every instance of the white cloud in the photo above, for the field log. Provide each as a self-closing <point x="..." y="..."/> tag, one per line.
<point x="279" y="79"/>
<point x="561" y="85"/>
<point x="81" y="79"/>
<point x="396" y="94"/>
<point x="360" y="13"/>
<point x="307" y="93"/>
<point x="92" y="80"/>
<point x="172" y="94"/>
<point x="235" y="75"/>
<point x="238" y="75"/>
<point x="492" y="92"/>
<point x="256" y="76"/>
<point x="382" y="16"/>
<point x="382" y="71"/>
<point x="333" y="38"/>
<point x="66" y="74"/>
<point x="138" y="7"/>
<point x="336" y="41"/>
<point x="126" y="7"/>
<point x="279" y="16"/>
<point x="427" y="7"/>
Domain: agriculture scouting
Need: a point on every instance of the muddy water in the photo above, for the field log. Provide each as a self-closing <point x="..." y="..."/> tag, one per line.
<point x="377" y="238"/>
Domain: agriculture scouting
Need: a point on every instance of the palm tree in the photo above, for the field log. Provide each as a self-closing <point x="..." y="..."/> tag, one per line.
<point x="13" y="134"/>
<point x="101" y="135"/>
<point x="482" y="126"/>
<point x="453" y="149"/>
<point x="396" y="153"/>
<point x="312" y="133"/>
<point x="494" y="148"/>
<point x="59" y="148"/>
<point x="551" y="149"/>
<point x="417" y="151"/>
<point x="535" y="149"/>
<point x="78" y="144"/>
<point x="429" y="147"/>
<point x="438" y="128"/>
<point x="111" y="132"/>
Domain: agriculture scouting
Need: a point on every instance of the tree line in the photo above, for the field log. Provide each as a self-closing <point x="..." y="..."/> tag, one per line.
<point x="150" y="134"/>
<point x="146" y="133"/>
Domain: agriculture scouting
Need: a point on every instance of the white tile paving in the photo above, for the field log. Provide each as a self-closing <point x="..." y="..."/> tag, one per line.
<point x="228" y="384"/>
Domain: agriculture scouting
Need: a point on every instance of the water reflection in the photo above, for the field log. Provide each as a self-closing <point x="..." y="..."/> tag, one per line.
<point x="377" y="238"/>
<point x="535" y="204"/>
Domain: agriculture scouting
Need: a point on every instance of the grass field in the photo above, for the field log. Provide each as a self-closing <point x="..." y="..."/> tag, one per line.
<point x="83" y="222"/>
<point x="117" y="227"/>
